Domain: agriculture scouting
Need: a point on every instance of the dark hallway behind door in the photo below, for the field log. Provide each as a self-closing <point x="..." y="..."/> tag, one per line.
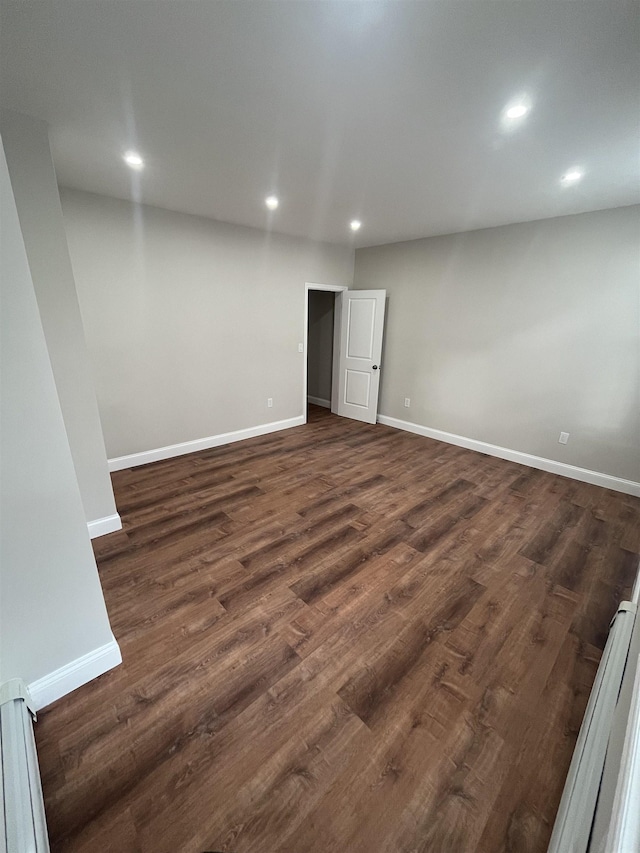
<point x="320" y="347"/>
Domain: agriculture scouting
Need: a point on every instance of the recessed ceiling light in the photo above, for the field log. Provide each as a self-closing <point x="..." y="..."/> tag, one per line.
<point x="133" y="159"/>
<point x="572" y="176"/>
<point x="355" y="224"/>
<point x="517" y="111"/>
<point x="271" y="202"/>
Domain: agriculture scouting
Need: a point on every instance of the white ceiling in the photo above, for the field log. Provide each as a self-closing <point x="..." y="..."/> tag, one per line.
<point x="385" y="111"/>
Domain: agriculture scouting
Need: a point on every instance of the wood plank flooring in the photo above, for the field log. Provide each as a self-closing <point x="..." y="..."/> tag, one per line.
<point x="338" y="638"/>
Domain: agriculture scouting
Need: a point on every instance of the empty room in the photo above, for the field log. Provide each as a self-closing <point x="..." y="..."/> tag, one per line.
<point x="320" y="426"/>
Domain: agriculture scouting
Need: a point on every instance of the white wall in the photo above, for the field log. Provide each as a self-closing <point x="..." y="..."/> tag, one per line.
<point x="510" y="335"/>
<point x="191" y="324"/>
<point x="51" y="606"/>
<point x="320" y="344"/>
<point x="35" y="190"/>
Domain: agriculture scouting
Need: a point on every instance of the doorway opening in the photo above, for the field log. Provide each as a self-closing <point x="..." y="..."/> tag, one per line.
<point x="343" y="335"/>
<point x="320" y="328"/>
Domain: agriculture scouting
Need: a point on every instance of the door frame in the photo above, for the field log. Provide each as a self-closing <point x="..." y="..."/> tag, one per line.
<point x="333" y="288"/>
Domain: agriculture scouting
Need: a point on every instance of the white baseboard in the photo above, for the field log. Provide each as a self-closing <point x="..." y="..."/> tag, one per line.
<point x="319" y="401"/>
<point x="57" y="684"/>
<point x="607" y="481"/>
<point x="102" y="526"/>
<point x="171" y="450"/>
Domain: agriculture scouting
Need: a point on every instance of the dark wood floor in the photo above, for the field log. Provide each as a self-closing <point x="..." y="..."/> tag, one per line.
<point x="339" y="638"/>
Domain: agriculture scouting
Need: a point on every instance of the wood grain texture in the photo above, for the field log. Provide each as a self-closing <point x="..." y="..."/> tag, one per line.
<point x="339" y="637"/>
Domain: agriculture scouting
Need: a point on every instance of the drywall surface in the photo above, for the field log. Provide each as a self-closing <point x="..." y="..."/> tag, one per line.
<point x="511" y="335"/>
<point x="191" y="324"/>
<point x="36" y="193"/>
<point x="320" y="344"/>
<point x="51" y="606"/>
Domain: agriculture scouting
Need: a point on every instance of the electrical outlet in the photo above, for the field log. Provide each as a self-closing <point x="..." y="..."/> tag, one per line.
<point x="407" y="402"/>
<point x="269" y="402"/>
<point x="564" y="438"/>
<point x="300" y="347"/>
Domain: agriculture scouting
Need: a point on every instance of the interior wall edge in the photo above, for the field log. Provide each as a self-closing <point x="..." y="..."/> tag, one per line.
<point x="584" y="475"/>
<point x="34" y="185"/>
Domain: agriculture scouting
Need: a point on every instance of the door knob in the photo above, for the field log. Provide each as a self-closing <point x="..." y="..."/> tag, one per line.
<point x="375" y="366"/>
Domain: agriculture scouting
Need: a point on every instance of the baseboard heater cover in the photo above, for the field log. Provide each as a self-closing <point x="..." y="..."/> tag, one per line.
<point x="624" y="828"/>
<point x="573" y="831"/>
<point x="23" y="826"/>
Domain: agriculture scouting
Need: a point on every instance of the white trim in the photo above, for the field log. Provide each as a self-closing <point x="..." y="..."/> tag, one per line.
<point x="72" y="675"/>
<point x="102" y="526"/>
<point x="171" y="450"/>
<point x="607" y="481"/>
<point x="332" y="288"/>
<point x="319" y="401"/>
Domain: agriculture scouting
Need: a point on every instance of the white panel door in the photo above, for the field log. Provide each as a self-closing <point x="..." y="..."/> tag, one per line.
<point x="361" y="331"/>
